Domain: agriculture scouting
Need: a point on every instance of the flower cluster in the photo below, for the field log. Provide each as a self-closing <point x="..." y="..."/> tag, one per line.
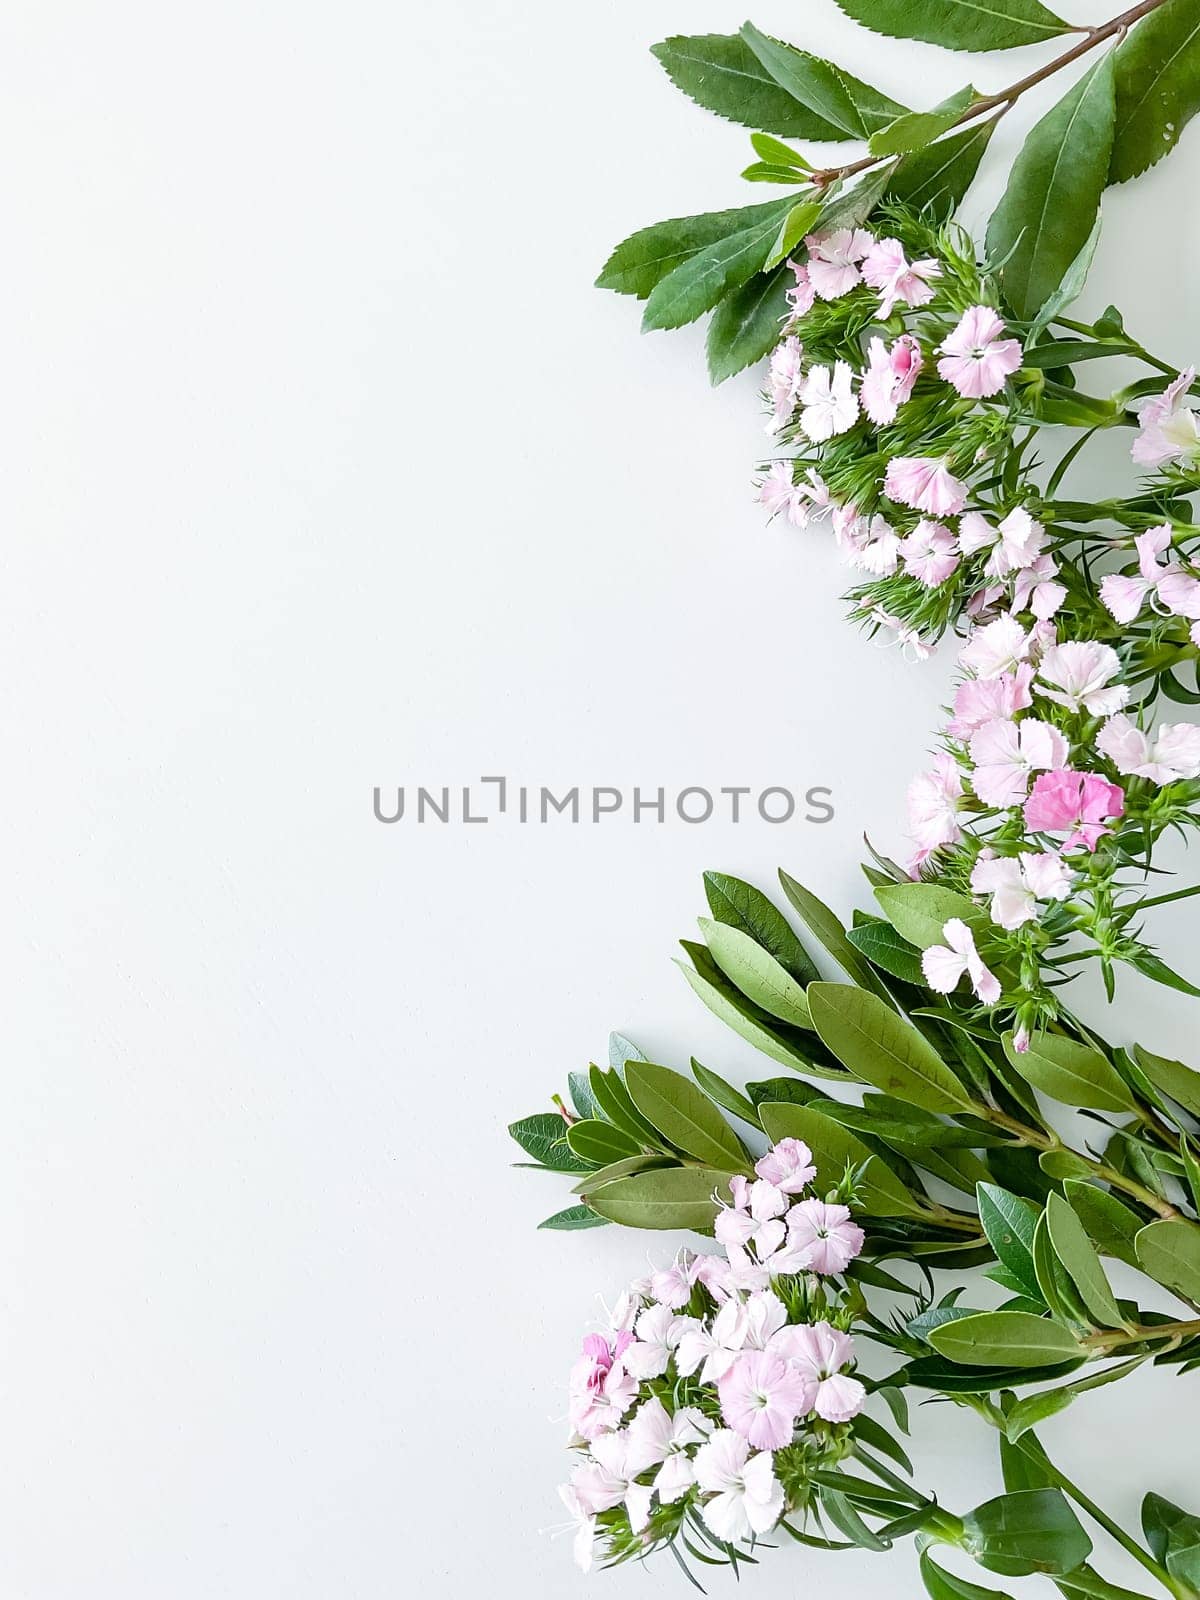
<point x="722" y="1382"/>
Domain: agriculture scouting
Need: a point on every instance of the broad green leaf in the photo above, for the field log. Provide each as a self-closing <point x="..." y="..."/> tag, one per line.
<point x="600" y="1142"/>
<point x="922" y="1326"/>
<point x="1074" y="1249"/>
<point x="937" y="178"/>
<point x="828" y="931"/>
<point x="756" y="973"/>
<point x="1178" y="1082"/>
<point x="916" y="129"/>
<point x="799" y="221"/>
<point x="743" y="906"/>
<point x="1049" y="207"/>
<point x="684" y="1115"/>
<point x="1191" y="1169"/>
<point x="943" y="1585"/>
<point x="544" y="1137"/>
<point x="1035" y="1408"/>
<point x="1073" y="1073"/>
<point x="739" y="1017"/>
<point x="1061" y="1164"/>
<point x="673" y="1197"/>
<point x="1111" y="1225"/>
<point x="947" y="1377"/>
<point x="959" y="24"/>
<point x="1009" y="1223"/>
<point x="745" y="326"/>
<point x="725" y="1095"/>
<point x="1008" y="1338"/>
<point x="919" y="912"/>
<point x="574" y="1217"/>
<point x="1174" y="1538"/>
<point x="648" y="256"/>
<point x="1031" y="1530"/>
<point x="782" y="1091"/>
<point x="1058" y="1291"/>
<point x="834" y="1148"/>
<point x="881" y="1049"/>
<point x="1157" y="87"/>
<point x="624" y="1168"/>
<point x="835" y="96"/>
<point x="1170" y="1252"/>
<point x="612" y="1097"/>
<point x="884" y="948"/>
<point x="705" y="278"/>
<point x="721" y="73"/>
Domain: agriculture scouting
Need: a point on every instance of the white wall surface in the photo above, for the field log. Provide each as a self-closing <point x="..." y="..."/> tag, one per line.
<point x="323" y="466"/>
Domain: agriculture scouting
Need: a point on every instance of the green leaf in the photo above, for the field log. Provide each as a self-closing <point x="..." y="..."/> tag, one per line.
<point x="1061" y="1164"/>
<point x="1073" y="1073"/>
<point x="704" y="278"/>
<point x="544" y="1137"/>
<point x="916" y="129"/>
<point x="884" y="948"/>
<point x="782" y="1091"/>
<point x="1049" y="207"/>
<point x="743" y="906"/>
<point x="938" y="177"/>
<point x="1145" y="961"/>
<point x="1170" y="1252"/>
<point x="739" y="1017"/>
<point x="945" y="1377"/>
<point x="755" y="971"/>
<point x="673" y="1197"/>
<point x="1074" y="1249"/>
<point x="684" y="1115"/>
<point x="959" y="24"/>
<point x="1009" y="1223"/>
<point x="1032" y="1530"/>
<point x="645" y="258"/>
<point x="612" y="1097"/>
<point x="1035" y="1408"/>
<point x="1157" y="87"/>
<point x="1174" y="1538"/>
<point x="778" y="153"/>
<point x="1180" y="1083"/>
<point x="798" y="222"/>
<point x="1008" y="1338"/>
<point x="721" y="73"/>
<point x="919" y="912"/>
<point x="1111" y="1225"/>
<point x="625" y="1168"/>
<point x="1059" y="1293"/>
<point x="943" y="1585"/>
<point x="581" y="1094"/>
<point x="600" y="1142"/>
<point x="621" y="1050"/>
<point x="574" y="1217"/>
<point x="725" y="1095"/>
<point x="766" y="172"/>
<point x="881" y="1049"/>
<point x="844" y="101"/>
<point x="746" y="325"/>
<point x="1191" y="1169"/>
<point x="828" y="931"/>
<point x="834" y="1148"/>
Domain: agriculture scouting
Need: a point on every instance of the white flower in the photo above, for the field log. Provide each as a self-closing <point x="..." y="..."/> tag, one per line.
<point x="715" y="1346"/>
<point x="1016" y="884"/>
<point x="585" y="1526"/>
<point x="944" y="965"/>
<point x="648" y="1355"/>
<point x="609" y="1477"/>
<point x="656" y="1438"/>
<point x="830" y="405"/>
<point x="877" y="548"/>
<point x="1079" y="675"/>
<point x="1173" y="754"/>
<point x="1017" y="541"/>
<point x="996" y="649"/>
<point x="747" y="1498"/>
<point x="1006" y="753"/>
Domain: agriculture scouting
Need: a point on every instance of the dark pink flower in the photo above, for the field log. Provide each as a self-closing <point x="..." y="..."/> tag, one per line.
<point x="1079" y="804"/>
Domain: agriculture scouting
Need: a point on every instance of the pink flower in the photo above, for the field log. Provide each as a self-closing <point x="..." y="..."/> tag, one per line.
<point x="933" y="800"/>
<point x="673" y="1286"/>
<point x="945" y="964"/>
<point x="830" y="404"/>
<point x="926" y="484"/>
<point x="876" y="547"/>
<point x="1180" y="593"/>
<point x="890" y="377"/>
<point x="930" y="553"/>
<point x="650" y="1353"/>
<point x="713" y="1347"/>
<point x="980" y="700"/>
<point x="1017" y="541"/>
<point x="1173" y="755"/>
<point x="659" y="1439"/>
<point x="753" y="1216"/>
<point x="802" y="294"/>
<point x="761" y="1397"/>
<point x="1168" y="430"/>
<point x="746" y="1498"/>
<point x="788" y="1166"/>
<point x="1035" y="589"/>
<point x="888" y="269"/>
<point x="975" y="359"/>
<point x="833" y="260"/>
<point x="996" y="649"/>
<point x="600" y="1388"/>
<point x="819" y="1352"/>
<point x="781" y="494"/>
<point x="826" y="1233"/>
<point x="785" y="375"/>
<point x="1078" y="803"/>
<point x="1007" y="753"/>
<point x="610" y="1477"/>
<point x="1079" y="674"/>
<point x="1123" y="594"/>
<point x="1016" y="884"/>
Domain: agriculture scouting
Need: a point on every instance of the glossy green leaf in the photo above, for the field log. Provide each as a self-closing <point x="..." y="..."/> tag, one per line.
<point x="1031" y="1530"/>
<point x="1035" y="1408"/>
<point x="1057" y="1289"/>
<point x="613" y="1099"/>
<point x="1174" y="1538"/>
<point x="834" y="95"/>
<point x="725" y="1095"/>
<point x="1049" y="208"/>
<point x="1009" y="1223"/>
<point x="943" y="1585"/>
<point x="828" y="930"/>
<point x="937" y="178"/>
<point x="625" y="1168"/>
<point x="684" y="1115"/>
<point x="916" y="129"/>
<point x="1004" y="1338"/>
<point x="919" y="912"/>
<point x="756" y="973"/>
<point x="544" y="1137"/>
<point x="672" y="1197"/>
<point x="947" y="1377"/>
<point x="1073" y="1073"/>
<point x="743" y="1022"/>
<point x="646" y="257"/>
<point x="600" y="1142"/>
<point x="1170" y="1252"/>
<point x="1076" y="1253"/>
<point x="574" y="1217"/>
<point x="800" y="220"/>
<point x="881" y="1049"/>
<point x="743" y="906"/>
<point x="959" y="24"/>
<point x="745" y="326"/>
<point x="1180" y="1083"/>
<point x="1157" y="87"/>
<point x="1111" y="1225"/>
<point x="881" y="1192"/>
<point x="721" y="73"/>
<point x="703" y="279"/>
<point x="884" y="948"/>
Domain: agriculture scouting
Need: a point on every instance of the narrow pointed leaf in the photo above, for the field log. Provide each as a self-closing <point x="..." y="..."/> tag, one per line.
<point x="756" y="973"/>
<point x="881" y="1049"/>
<point x="684" y="1115"/>
<point x="721" y="73"/>
<point x="959" y="24"/>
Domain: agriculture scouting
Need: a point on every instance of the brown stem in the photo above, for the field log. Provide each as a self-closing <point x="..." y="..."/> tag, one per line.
<point x="1004" y="98"/>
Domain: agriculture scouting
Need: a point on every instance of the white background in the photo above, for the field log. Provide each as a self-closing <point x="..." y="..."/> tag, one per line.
<point x="325" y="467"/>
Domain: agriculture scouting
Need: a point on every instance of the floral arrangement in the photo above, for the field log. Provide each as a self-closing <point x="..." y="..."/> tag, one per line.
<point x="928" y="402"/>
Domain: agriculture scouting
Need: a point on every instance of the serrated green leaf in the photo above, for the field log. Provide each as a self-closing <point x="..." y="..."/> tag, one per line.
<point x="672" y="1197"/>
<point x="721" y="73"/>
<point x="916" y="129"/>
<point x="1070" y="1072"/>
<point x="648" y="256"/>
<point x="1004" y="1338"/>
<point x="1075" y="1251"/>
<point x="1157" y="78"/>
<point x="685" y="1116"/>
<point x="834" y="95"/>
<point x="800" y="220"/>
<point x="1170" y="1252"/>
<point x="745" y="326"/>
<point x="959" y="24"/>
<point x="755" y="971"/>
<point x="881" y="1193"/>
<point x="705" y="278"/>
<point x="881" y="1049"/>
<point x="544" y="1137"/>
